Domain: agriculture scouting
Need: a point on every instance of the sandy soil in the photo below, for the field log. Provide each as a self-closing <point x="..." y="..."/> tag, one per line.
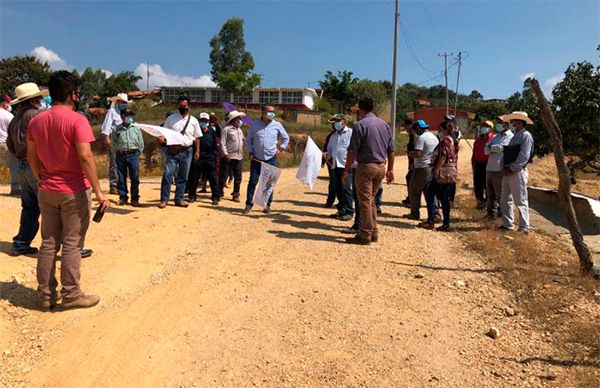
<point x="205" y="296"/>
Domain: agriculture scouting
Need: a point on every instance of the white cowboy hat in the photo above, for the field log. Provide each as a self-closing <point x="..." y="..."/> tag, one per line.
<point x="204" y="116"/>
<point x="234" y="114"/>
<point x="120" y="96"/>
<point x="26" y="91"/>
<point x="517" y="116"/>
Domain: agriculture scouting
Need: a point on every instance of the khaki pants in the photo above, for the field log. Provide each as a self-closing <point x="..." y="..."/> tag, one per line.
<point x="65" y="220"/>
<point x="514" y="190"/>
<point x="367" y="181"/>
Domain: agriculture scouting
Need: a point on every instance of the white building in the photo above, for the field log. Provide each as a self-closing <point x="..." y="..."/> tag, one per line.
<point x="286" y="98"/>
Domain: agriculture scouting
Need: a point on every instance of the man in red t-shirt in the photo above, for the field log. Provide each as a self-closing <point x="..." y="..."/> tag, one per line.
<point x="60" y="156"/>
<point x="479" y="162"/>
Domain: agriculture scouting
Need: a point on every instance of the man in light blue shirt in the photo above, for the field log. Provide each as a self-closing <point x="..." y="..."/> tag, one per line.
<point x="262" y="143"/>
<point x="493" y="178"/>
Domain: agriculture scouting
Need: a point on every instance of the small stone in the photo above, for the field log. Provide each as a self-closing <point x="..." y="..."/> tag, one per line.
<point x="509" y="312"/>
<point x="460" y="283"/>
<point x="322" y="337"/>
<point x="26" y="369"/>
<point x="302" y="300"/>
<point x="508" y="237"/>
<point x="7" y="353"/>
<point x="419" y="275"/>
<point x="493" y="333"/>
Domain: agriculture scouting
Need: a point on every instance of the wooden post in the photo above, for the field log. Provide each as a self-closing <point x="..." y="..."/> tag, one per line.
<point x="564" y="180"/>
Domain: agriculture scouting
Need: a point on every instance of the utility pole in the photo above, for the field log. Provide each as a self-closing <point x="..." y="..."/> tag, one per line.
<point x="445" y="55"/>
<point x="394" y="66"/>
<point x="148" y="75"/>
<point x="457" y="80"/>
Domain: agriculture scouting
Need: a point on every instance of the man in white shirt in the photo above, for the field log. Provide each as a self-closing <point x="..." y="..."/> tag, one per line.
<point x="232" y="148"/>
<point x="111" y="121"/>
<point x="493" y="178"/>
<point x="178" y="158"/>
<point x="6" y="157"/>
<point x="425" y="143"/>
<point x="337" y="152"/>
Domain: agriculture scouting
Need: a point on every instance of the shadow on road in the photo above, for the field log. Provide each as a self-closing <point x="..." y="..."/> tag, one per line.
<point x="18" y="295"/>
<point x="306" y="236"/>
<point x="435" y="268"/>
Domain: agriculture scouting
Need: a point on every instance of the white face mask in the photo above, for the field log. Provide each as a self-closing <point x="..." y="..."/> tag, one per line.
<point x="9" y="108"/>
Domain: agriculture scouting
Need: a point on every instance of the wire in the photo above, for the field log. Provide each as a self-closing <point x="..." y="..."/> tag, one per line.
<point x="432" y="25"/>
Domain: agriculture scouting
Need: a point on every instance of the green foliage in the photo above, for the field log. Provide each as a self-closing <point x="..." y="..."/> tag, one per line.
<point x="94" y="83"/>
<point x="576" y="102"/>
<point x="20" y="69"/>
<point x="125" y="81"/>
<point x="321" y="105"/>
<point x="232" y="65"/>
<point x="338" y="87"/>
<point x="372" y="89"/>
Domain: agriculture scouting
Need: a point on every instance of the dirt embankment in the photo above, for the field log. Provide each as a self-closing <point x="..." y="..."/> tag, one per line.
<point x="207" y="297"/>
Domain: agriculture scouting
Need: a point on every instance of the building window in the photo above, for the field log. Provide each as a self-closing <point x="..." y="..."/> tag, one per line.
<point x="197" y="95"/>
<point x="291" y="97"/>
<point x="218" y="96"/>
<point x="240" y="99"/>
<point x="268" y="97"/>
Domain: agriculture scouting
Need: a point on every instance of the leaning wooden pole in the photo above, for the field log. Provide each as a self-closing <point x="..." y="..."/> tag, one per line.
<point x="564" y="180"/>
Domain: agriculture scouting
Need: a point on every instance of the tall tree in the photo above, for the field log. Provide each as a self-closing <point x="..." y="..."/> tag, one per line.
<point x="372" y="89"/>
<point x="20" y="69"/>
<point x="338" y="87"/>
<point x="122" y="82"/>
<point x="232" y="65"/>
<point x="576" y="101"/>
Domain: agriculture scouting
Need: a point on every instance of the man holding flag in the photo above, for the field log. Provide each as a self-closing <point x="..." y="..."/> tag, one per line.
<point x="262" y="143"/>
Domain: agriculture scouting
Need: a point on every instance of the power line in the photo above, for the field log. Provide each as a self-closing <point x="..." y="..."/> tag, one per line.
<point x="431" y="23"/>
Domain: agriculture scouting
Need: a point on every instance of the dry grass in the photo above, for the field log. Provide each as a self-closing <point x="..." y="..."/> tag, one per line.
<point x="543" y="173"/>
<point x="542" y="274"/>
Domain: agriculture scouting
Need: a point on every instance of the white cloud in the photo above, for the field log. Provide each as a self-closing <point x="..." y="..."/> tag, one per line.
<point x="158" y="77"/>
<point x="523" y="77"/>
<point x="107" y="73"/>
<point x="53" y="59"/>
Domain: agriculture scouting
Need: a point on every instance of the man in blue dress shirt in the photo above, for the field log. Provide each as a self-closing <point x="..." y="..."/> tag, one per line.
<point x="262" y="143"/>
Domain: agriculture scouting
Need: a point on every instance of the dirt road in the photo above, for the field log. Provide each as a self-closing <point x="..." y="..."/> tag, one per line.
<point x="205" y="296"/>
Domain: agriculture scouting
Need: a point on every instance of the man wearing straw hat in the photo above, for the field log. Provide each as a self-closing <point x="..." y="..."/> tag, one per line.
<point x="111" y="121"/>
<point x="515" y="176"/>
<point x="26" y="105"/>
<point x="232" y="148"/>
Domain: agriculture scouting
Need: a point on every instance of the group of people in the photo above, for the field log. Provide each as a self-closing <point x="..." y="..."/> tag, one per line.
<point x="49" y="151"/>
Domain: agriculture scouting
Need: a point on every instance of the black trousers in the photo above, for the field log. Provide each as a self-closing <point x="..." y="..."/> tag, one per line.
<point x="479" y="179"/>
<point x="207" y="168"/>
<point x="234" y="167"/>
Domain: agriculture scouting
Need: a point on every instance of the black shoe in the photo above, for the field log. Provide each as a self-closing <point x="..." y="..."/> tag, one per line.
<point x="267" y="210"/>
<point x="334" y="215"/>
<point x="25" y="252"/>
<point x="247" y="210"/>
<point x="346" y="217"/>
<point x="351" y="230"/>
<point x="191" y="199"/>
<point x="328" y="205"/>
<point x="379" y="212"/>
<point x="411" y="217"/>
<point x="215" y="202"/>
<point x="15" y="193"/>
<point x="504" y="228"/>
<point x="357" y="241"/>
<point x="86" y="253"/>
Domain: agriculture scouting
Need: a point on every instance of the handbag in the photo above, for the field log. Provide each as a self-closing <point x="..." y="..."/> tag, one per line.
<point x="448" y="172"/>
<point x="174" y="149"/>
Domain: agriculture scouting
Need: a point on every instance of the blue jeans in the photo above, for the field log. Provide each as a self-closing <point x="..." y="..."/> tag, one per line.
<point x="128" y="164"/>
<point x="343" y="192"/>
<point x="178" y="166"/>
<point x="254" y="175"/>
<point x="30" y="212"/>
<point x="13" y="165"/>
<point x="441" y="192"/>
<point x="331" y="187"/>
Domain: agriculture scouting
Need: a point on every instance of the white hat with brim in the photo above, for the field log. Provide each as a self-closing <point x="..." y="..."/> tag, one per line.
<point x="234" y="114"/>
<point x="28" y="91"/>
<point x="120" y="96"/>
<point x="517" y="116"/>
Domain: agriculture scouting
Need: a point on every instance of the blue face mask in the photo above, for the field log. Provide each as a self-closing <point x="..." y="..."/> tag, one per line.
<point x="484" y="130"/>
<point x="338" y="125"/>
<point x="270" y="115"/>
<point x="511" y="127"/>
<point x="121" y="107"/>
<point x="128" y="120"/>
<point x="203" y="124"/>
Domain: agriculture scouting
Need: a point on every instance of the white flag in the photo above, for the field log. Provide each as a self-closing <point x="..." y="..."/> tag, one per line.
<point x="266" y="184"/>
<point x="310" y="165"/>
<point x="172" y="137"/>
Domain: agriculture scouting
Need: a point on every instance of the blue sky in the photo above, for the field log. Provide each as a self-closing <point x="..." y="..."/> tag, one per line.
<point x="295" y="42"/>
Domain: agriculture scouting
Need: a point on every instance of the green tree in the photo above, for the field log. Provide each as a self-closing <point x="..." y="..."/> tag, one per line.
<point x="92" y="84"/>
<point x="372" y="89"/>
<point x="338" y="87"/>
<point x="475" y="95"/>
<point x="20" y="69"/>
<point x="576" y="102"/>
<point x="232" y="65"/>
<point x="123" y="82"/>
